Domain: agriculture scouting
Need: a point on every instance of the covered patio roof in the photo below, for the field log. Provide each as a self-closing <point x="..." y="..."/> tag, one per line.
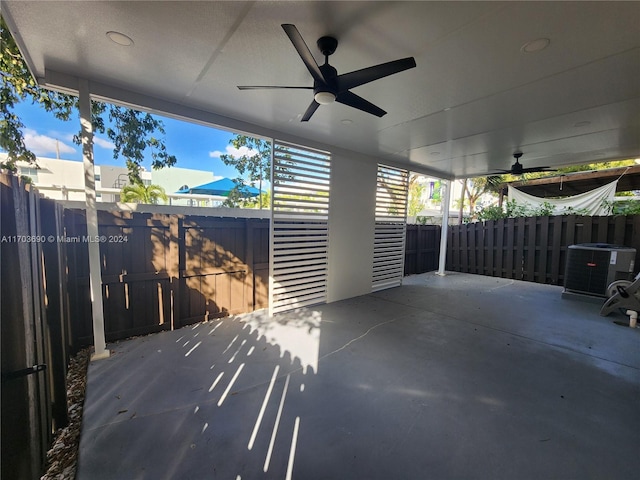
<point x="556" y="80"/>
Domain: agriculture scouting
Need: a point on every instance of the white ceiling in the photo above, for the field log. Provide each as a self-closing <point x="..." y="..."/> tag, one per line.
<point x="473" y="99"/>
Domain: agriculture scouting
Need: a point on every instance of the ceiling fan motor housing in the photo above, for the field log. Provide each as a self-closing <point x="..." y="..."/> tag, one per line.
<point x="516" y="168"/>
<point x="327" y="45"/>
<point x="331" y="86"/>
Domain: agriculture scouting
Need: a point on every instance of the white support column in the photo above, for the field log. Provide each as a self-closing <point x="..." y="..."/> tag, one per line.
<point x="95" y="275"/>
<point x="446" y="201"/>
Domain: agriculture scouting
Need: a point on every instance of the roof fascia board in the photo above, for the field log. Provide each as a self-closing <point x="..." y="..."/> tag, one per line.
<point x="578" y="176"/>
<point x="426" y="171"/>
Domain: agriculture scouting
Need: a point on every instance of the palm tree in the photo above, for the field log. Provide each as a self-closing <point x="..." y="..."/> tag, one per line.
<point x="139" y="193"/>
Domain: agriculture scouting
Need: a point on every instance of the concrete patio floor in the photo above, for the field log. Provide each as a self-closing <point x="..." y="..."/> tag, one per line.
<point x="461" y="376"/>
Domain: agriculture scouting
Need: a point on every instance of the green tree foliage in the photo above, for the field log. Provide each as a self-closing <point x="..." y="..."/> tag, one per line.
<point x="595" y="166"/>
<point x="473" y="189"/>
<point x="255" y="163"/>
<point x="239" y="198"/>
<point x="627" y="207"/>
<point x="416" y="190"/>
<point x="513" y="209"/>
<point x="256" y="202"/>
<point x="139" y="193"/>
<point x="17" y="85"/>
<point x="133" y="132"/>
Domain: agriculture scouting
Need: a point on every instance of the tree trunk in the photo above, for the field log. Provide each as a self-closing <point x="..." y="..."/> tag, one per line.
<point x="462" y="196"/>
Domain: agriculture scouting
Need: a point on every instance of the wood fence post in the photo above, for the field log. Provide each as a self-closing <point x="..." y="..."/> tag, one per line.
<point x="21" y="210"/>
<point x="56" y="355"/>
<point x="40" y="321"/>
<point x="175" y="223"/>
<point x="250" y="277"/>
<point x="509" y="248"/>
<point x="544" y="249"/>
<point x="531" y="249"/>
<point x="519" y="259"/>
<point x="556" y="249"/>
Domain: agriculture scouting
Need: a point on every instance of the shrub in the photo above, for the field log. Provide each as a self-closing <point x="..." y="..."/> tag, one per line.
<point x="627" y="207"/>
<point x="512" y="209"/>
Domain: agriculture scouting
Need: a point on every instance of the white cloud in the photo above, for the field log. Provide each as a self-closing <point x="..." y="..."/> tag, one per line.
<point x="67" y="139"/>
<point x="103" y="142"/>
<point x="66" y="136"/>
<point x="236" y="152"/>
<point x="45" y="145"/>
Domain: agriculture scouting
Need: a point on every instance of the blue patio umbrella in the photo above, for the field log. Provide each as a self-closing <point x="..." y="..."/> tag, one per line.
<point x="222" y="188"/>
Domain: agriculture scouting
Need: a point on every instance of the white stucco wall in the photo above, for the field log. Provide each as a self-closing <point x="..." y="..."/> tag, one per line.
<point x="54" y="174"/>
<point x="351" y="225"/>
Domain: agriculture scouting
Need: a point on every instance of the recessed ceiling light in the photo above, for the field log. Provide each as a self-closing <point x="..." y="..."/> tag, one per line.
<point x="584" y="123"/>
<point x="535" y="45"/>
<point x="120" y="38"/>
<point x="346" y="121"/>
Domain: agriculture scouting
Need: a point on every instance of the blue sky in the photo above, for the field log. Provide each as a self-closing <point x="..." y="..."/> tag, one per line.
<point x="195" y="146"/>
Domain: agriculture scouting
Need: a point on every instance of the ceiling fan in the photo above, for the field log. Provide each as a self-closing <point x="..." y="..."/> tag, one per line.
<point x="328" y="86"/>
<point x="518" y="169"/>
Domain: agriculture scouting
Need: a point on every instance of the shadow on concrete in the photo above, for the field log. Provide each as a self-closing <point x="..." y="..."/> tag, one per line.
<point x="217" y="398"/>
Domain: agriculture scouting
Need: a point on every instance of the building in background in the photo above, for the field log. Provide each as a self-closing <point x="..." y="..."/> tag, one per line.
<point x="64" y="179"/>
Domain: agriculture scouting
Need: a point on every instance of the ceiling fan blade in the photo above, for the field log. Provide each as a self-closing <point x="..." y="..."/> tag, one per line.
<point x="524" y="170"/>
<point x="304" y="52"/>
<point x="310" y="111"/>
<point x="350" y="80"/>
<point x="355" y="101"/>
<point x="270" y="87"/>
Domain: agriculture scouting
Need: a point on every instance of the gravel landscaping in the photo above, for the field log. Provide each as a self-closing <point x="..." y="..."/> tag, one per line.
<point x="62" y="457"/>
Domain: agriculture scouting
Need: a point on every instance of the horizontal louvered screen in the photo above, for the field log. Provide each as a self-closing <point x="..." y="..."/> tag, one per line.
<point x="299" y="227"/>
<point x="390" y="230"/>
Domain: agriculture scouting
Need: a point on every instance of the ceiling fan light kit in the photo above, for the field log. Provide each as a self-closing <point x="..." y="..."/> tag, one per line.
<point x="328" y="86"/>
<point x="324" y="98"/>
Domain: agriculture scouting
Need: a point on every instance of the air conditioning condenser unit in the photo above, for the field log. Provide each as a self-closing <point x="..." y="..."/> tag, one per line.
<point x="592" y="267"/>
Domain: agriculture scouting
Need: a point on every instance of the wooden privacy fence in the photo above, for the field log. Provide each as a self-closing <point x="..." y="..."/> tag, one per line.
<point x="162" y="271"/>
<point x="533" y="248"/>
<point x="35" y="332"/>
<point x="158" y="272"/>
<point x="422" y="249"/>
